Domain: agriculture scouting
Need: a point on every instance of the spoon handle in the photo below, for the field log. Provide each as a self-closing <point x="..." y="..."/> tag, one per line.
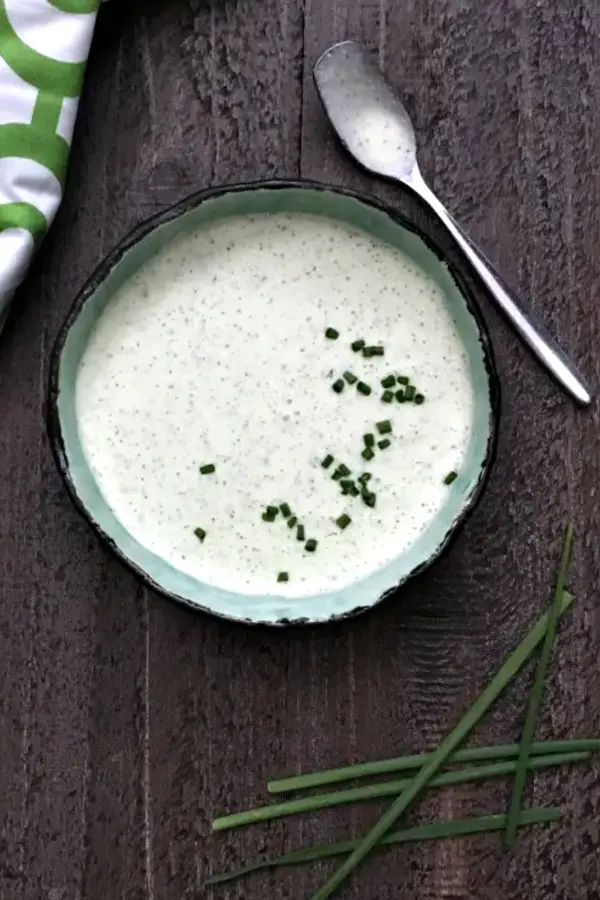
<point x="532" y="334"/>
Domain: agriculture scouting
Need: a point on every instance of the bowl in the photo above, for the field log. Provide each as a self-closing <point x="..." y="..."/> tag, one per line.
<point x="359" y="211"/>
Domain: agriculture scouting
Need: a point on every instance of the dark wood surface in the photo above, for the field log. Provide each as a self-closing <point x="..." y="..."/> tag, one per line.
<point x="127" y="723"/>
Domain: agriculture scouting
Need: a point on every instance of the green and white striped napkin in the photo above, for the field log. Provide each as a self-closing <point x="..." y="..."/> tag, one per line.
<point x="44" y="46"/>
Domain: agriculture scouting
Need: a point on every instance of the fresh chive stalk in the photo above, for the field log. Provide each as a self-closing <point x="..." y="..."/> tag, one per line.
<point x="207" y="469"/>
<point x="285" y="510"/>
<point x="368" y="498"/>
<point x="384" y="427"/>
<point x="389" y="381"/>
<point x="367" y="454"/>
<point x="451" y="477"/>
<point x="326" y="461"/>
<point x="400" y="396"/>
<point x="368" y="352"/>
<point x="357" y="345"/>
<point x="292" y="521"/>
<point x="338" y="386"/>
<point x="283" y="577"/>
<point x="421" y="780"/>
<point x="387" y="396"/>
<point x="403" y="379"/>
<point x="369" y="440"/>
<point x="363" y="388"/>
<point x="419" y="399"/>
<point x="350" y="378"/>
<point x="311" y="545"/>
<point x="387" y="789"/>
<point x="200" y="534"/>
<point x="384" y="444"/>
<point x="300" y="533"/>
<point x="343" y="521"/>
<point x="535" y="698"/>
<point x="433" y="831"/>
<point x="332" y="334"/>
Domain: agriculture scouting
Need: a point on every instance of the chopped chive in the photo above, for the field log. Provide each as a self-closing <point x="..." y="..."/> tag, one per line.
<point x="300" y="535"/>
<point x="367" y="454"/>
<point x="402" y="379"/>
<point x="368" y="498"/>
<point x="341" y="472"/>
<point x="350" y="378"/>
<point x="200" y="534"/>
<point x="207" y="469"/>
<point x="419" y="399"/>
<point x="283" y="576"/>
<point x="400" y="396"/>
<point x="368" y="352"/>
<point x="272" y="511"/>
<point x="384" y="427"/>
<point x="450" y="477"/>
<point x="285" y="510"/>
<point x="363" y="388"/>
<point x="410" y="392"/>
<point x="332" y="334"/>
<point x="338" y="386"/>
<point x="448" y="745"/>
<point x="384" y="444"/>
<point x="357" y="345"/>
<point x="311" y="545"/>
<point x="326" y="462"/>
<point x="387" y="396"/>
<point x="389" y="381"/>
<point x="291" y="522"/>
<point x="366" y="476"/>
<point x="343" y="521"/>
<point x="351" y="489"/>
<point x="369" y="440"/>
<point x="268" y="517"/>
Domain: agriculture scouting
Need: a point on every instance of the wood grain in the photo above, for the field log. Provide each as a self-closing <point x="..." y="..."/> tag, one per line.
<point x="127" y="723"/>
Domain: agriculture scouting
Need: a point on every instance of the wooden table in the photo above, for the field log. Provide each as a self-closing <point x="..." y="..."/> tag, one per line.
<point x="127" y="722"/>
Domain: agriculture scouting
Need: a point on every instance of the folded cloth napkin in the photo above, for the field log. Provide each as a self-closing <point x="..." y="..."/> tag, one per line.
<point x="44" y="46"/>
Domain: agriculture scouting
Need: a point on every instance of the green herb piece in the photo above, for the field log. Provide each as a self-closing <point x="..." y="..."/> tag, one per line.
<point x="409" y="393"/>
<point x="357" y="345"/>
<point x="493" y="753"/>
<point x="326" y="462"/>
<point x="402" y="379"/>
<point x="343" y="521"/>
<point x="291" y="522"/>
<point x="363" y="388"/>
<point x="348" y="487"/>
<point x="422" y="779"/>
<point x="313" y="802"/>
<point x="451" y="477"/>
<point x="400" y="397"/>
<point x="384" y="427"/>
<point x="369" y="440"/>
<point x="272" y="510"/>
<point x="384" y="444"/>
<point x="419" y="399"/>
<point x="332" y="334"/>
<point x="311" y="545"/>
<point x="300" y="534"/>
<point x="367" y="454"/>
<point x="350" y="378"/>
<point x="433" y="831"/>
<point x="387" y="396"/>
<point x="269" y="516"/>
<point x="200" y="534"/>
<point x="283" y="576"/>
<point x="535" y="698"/>
<point x="285" y="510"/>
<point x="389" y="381"/>
<point x="338" y="386"/>
<point x="366" y="476"/>
<point x="207" y="469"/>
<point x="368" y="498"/>
<point x="341" y="472"/>
<point x="368" y="352"/>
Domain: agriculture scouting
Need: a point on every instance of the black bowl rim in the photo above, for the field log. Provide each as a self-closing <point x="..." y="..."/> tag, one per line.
<point x="193" y="200"/>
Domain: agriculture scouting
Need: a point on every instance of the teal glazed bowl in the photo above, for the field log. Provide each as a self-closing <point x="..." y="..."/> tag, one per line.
<point x="195" y="212"/>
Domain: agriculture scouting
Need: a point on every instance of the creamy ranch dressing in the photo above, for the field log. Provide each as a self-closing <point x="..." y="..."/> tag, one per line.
<point x="215" y="352"/>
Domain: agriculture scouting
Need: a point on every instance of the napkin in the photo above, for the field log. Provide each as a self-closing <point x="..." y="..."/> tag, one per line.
<point x="44" y="46"/>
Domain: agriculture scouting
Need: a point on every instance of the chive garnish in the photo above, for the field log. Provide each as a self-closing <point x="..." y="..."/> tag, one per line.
<point x="283" y="576"/>
<point x="341" y="472"/>
<point x="368" y="498"/>
<point x="384" y="427"/>
<point x="368" y="352"/>
<point x="207" y="469"/>
<point x="535" y="698"/>
<point x="348" y="486"/>
<point x="332" y="334"/>
<point x="272" y="511"/>
<point x="338" y="386"/>
<point x="369" y="440"/>
<point x="363" y="388"/>
<point x="433" y="831"/>
<point x="367" y="454"/>
<point x="326" y="462"/>
<point x="409" y="393"/>
<point x="200" y="534"/>
<point x="300" y="535"/>
<point x="311" y="545"/>
<point x="384" y="444"/>
<point x="285" y="510"/>
<point x="350" y="378"/>
<point x="357" y="345"/>
<point x="389" y="381"/>
<point x="267" y="516"/>
<point x="343" y="521"/>
<point x="366" y="476"/>
<point x="419" y="399"/>
<point x="402" y="379"/>
<point x="450" y="477"/>
<point x="400" y="397"/>
<point x="387" y="396"/>
<point x="421" y="780"/>
<point x="292" y="521"/>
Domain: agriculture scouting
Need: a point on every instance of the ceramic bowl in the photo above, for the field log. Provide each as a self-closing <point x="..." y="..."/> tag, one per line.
<point x="273" y="197"/>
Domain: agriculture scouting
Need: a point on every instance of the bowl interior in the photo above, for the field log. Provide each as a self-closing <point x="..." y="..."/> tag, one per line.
<point x="142" y="246"/>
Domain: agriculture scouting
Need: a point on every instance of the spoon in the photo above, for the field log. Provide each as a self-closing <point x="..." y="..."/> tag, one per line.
<point x="376" y="129"/>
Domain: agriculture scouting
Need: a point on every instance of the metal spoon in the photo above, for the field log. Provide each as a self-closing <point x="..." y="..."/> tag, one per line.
<point x="376" y="129"/>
